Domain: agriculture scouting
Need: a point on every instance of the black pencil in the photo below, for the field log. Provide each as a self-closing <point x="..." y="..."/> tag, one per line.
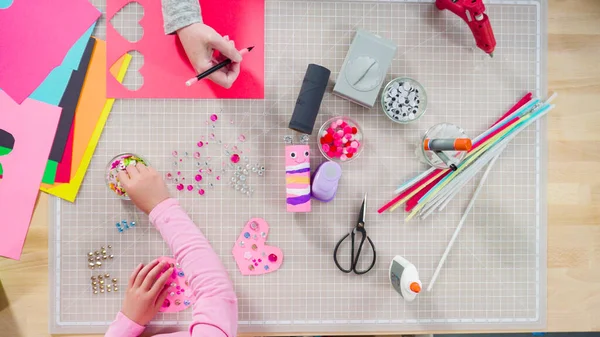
<point x="215" y="68"/>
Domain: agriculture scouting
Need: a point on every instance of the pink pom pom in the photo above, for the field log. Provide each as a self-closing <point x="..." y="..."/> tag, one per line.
<point x="339" y="150"/>
<point x="343" y="125"/>
<point x="354" y="144"/>
<point x="330" y="130"/>
<point x="337" y="142"/>
<point x="344" y="157"/>
<point x="326" y="148"/>
<point x="340" y="133"/>
<point x="344" y="140"/>
<point x="339" y="122"/>
<point x="347" y="130"/>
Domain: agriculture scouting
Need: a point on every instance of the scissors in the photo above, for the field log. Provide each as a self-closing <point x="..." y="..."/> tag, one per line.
<point x="359" y="228"/>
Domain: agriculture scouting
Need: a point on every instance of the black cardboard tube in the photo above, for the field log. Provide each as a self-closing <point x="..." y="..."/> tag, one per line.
<point x="309" y="99"/>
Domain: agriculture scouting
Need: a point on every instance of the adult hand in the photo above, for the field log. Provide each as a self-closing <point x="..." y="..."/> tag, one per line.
<point x="200" y="41"/>
<point x="144" y="186"/>
<point x="146" y="292"/>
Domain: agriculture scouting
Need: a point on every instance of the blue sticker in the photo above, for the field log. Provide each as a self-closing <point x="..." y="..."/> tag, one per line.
<point x="247" y="235"/>
<point x="186" y="302"/>
<point x="180" y="274"/>
<point x="266" y="267"/>
<point x="133" y="224"/>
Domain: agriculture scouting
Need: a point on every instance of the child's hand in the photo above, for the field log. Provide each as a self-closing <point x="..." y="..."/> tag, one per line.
<point x="199" y="42"/>
<point x="144" y="186"/>
<point x="145" y="293"/>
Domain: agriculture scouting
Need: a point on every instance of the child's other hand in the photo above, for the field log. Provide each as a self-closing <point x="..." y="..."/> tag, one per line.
<point x="144" y="186"/>
<point x="200" y="41"/>
<point x="146" y="292"/>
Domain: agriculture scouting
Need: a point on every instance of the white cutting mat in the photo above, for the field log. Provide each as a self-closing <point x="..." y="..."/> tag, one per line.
<point x="495" y="276"/>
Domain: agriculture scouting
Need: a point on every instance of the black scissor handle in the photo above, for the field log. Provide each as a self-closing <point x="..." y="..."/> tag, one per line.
<point x="360" y="272"/>
<point x="354" y="258"/>
<point x="335" y="250"/>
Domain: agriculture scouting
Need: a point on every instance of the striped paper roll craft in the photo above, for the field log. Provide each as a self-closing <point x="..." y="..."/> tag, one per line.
<point x="297" y="178"/>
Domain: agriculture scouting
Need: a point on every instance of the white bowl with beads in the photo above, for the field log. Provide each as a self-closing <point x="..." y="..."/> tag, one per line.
<point x="404" y="100"/>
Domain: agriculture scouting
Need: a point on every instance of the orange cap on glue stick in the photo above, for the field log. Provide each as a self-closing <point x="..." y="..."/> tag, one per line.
<point x="415" y="287"/>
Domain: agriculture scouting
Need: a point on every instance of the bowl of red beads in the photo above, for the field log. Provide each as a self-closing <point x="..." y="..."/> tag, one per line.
<point x="340" y="139"/>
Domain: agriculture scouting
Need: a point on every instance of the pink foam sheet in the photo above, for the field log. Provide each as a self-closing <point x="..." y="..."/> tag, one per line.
<point x="251" y="253"/>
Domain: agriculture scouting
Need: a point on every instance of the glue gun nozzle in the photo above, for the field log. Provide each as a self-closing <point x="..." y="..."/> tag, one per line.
<point x="491" y="54"/>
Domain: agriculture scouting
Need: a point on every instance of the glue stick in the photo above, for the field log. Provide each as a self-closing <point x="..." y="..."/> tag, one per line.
<point x="404" y="278"/>
<point x="443" y="144"/>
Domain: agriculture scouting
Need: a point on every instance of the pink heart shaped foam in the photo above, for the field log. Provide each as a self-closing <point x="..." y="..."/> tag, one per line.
<point x="180" y="294"/>
<point x="252" y="255"/>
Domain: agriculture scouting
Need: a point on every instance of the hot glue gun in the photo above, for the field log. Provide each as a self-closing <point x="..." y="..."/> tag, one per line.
<point x="473" y="13"/>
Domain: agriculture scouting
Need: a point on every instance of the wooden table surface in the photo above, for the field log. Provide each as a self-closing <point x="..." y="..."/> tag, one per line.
<point x="573" y="192"/>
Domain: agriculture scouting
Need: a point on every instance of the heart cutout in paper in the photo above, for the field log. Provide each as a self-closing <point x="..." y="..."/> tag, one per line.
<point x="180" y="294"/>
<point x="252" y="255"/>
<point x="127" y="22"/>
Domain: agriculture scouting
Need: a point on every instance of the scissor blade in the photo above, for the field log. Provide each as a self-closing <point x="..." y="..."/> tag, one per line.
<point x="363" y="209"/>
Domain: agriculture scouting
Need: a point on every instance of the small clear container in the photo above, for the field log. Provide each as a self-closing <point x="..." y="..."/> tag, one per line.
<point x="116" y="165"/>
<point x="442" y="130"/>
<point x="337" y="149"/>
<point x="413" y="106"/>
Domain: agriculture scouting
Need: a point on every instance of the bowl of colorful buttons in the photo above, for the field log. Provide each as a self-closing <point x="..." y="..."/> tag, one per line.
<point x="404" y="100"/>
<point x="340" y="139"/>
<point x="116" y="165"/>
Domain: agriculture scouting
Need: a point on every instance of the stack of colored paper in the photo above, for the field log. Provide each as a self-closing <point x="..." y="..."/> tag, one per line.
<point x="53" y="106"/>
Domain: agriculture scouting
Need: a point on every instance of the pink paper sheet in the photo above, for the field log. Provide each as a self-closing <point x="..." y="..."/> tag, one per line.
<point x="252" y="255"/>
<point x="33" y="28"/>
<point x="33" y="125"/>
<point x="166" y="67"/>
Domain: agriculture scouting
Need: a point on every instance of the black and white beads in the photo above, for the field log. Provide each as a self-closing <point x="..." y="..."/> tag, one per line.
<point x="402" y="100"/>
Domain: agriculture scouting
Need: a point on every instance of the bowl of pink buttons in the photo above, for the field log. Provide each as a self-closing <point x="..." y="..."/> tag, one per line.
<point x="340" y="139"/>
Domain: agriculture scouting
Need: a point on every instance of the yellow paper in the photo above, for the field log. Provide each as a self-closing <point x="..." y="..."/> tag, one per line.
<point x="68" y="191"/>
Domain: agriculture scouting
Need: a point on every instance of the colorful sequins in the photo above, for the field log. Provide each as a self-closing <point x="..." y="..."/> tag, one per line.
<point x="116" y="165"/>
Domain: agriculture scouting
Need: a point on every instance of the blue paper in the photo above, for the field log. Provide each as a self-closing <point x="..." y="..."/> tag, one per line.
<point x="54" y="86"/>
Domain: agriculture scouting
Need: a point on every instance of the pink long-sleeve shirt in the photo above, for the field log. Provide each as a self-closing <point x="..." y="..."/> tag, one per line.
<point x="215" y="307"/>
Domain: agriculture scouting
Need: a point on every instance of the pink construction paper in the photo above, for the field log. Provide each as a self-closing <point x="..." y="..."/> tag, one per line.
<point x="180" y="294"/>
<point x="252" y="255"/>
<point x="33" y="125"/>
<point x="32" y="29"/>
<point x="166" y="67"/>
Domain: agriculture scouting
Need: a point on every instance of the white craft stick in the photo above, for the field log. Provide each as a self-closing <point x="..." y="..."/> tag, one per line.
<point x="461" y="223"/>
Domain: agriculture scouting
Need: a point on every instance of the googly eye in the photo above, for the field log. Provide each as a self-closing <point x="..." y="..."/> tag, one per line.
<point x="306" y="154"/>
<point x="293" y="155"/>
